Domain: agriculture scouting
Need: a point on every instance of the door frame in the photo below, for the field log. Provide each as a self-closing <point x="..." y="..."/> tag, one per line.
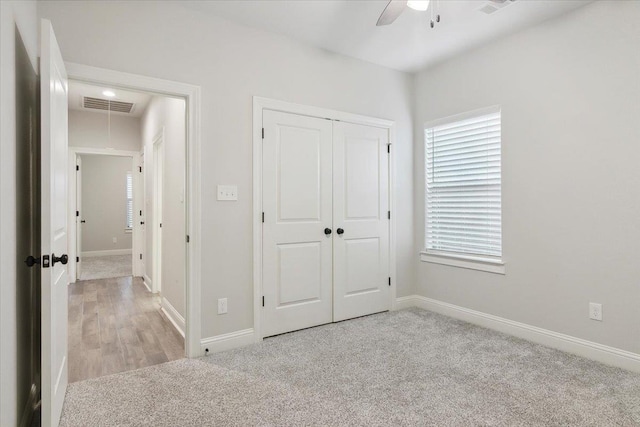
<point x="74" y="153"/>
<point x="192" y="96"/>
<point x="158" y="203"/>
<point x="260" y="104"/>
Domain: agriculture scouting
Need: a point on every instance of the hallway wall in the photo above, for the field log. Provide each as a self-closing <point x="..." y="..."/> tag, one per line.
<point x="167" y="115"/>
<point x="104" y="203"/>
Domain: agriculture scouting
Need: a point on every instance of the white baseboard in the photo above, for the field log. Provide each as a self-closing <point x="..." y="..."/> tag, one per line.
<point x="174" y="317"/>
<point x="588" y="349"/>
<point x="106" y="252"/>
<point x="227" y="341"/>
<point x="147" y="282"/>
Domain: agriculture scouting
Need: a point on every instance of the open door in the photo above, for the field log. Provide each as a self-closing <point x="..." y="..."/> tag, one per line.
<point x="53" y="92"/>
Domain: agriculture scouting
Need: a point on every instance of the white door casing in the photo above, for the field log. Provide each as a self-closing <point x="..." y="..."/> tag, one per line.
<point x="142" y="212"/>
<point x="79" y="216"/>
<point x="158" y="191"/>
<point x="361" y="278"/>
<point x="297" y="196"/>
<point x="54" y="134"/>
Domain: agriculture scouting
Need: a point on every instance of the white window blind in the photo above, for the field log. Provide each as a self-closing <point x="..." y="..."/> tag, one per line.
<point x="129" y="200"/>
<point x="463" y="186"/>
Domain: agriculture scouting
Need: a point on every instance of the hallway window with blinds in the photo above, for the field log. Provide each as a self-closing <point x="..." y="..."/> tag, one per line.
<point x="463" y="190"/>
<point x="129" y="225"/>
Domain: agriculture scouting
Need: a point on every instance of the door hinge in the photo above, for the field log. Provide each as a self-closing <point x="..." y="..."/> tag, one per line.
<point x="263" y="217"/>
<point x="140" y="256"/>
<point x="160" y="225"/>
<point x="262" y="133"/>
<point x="140" y="213"/>
<point x="77" y="213"/>
<point x="388" y="214"/>
<point x="263" y="300"/>
<point x="140" y="169"/>
<point x="389" y="281"/>
<point x="77" y="167"/>
<point x="388" y="148"/>
<point x="188" y="238"/>
<point x="77" y="259"/>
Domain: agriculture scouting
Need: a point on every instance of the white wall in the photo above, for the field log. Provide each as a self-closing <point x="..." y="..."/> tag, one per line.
<point x="104" y="202"/>
<point x="91" y="130"/>
<point x="570" y="95"/>
<point x="232" y="63"/>
<point x="168" y="114"/>
<point x="23" y="14"/>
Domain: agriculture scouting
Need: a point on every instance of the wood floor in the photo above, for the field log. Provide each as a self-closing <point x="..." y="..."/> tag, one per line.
<point x="116" y="325"/>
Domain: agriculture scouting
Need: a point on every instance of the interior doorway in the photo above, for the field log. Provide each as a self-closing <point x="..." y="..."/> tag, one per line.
<point x="104" y="215"/>
<point x="127" y="307"/>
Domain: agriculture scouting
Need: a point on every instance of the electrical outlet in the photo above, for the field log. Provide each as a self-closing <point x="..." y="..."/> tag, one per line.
<point x="595" y="311"/>
<point x="115" y="240"/>
<point x="222" y="306"/>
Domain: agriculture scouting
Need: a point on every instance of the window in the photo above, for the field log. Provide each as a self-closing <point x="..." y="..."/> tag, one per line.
<point x="463" y="190"/>
<point x="129" y="201"/>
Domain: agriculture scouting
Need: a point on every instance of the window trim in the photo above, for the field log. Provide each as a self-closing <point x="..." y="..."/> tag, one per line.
<point x="468" y="261"/>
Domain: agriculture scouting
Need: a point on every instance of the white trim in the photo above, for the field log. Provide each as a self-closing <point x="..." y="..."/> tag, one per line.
<point x="107" y="252"/>
<point x="482" y="264"/>
<point x="462" y="116"/>
<point x="173" y="315"/>
<point x="157" y="144"/>
<point x="147" y="282"/>
<point x="260" y="104"/>
<point x="192" y="96"/>
<point x="227" y="341"/>
<point x="588" y="349"/>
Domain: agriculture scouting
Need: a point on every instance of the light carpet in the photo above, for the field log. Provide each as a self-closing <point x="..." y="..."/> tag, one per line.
<point x="404" y="368"/>
<point x="105" y="267"/>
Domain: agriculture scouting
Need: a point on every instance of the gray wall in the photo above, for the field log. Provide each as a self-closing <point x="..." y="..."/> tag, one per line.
<point x="570" y="95"/>
<point x="104" y="202"/>
<point x="170" y="114"/>
<point x="231" y="64"/>
<point x="91" y="130"/>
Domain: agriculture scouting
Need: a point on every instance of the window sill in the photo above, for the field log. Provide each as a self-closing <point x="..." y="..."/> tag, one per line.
<point x="128" y="230"/>
<point x="469" y="262"/>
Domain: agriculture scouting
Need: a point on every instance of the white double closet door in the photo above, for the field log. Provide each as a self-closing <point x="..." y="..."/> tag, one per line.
<point x="326" y="227"/>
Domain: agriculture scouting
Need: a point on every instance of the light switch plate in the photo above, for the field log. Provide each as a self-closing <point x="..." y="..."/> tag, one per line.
<point x="227" y="192"/>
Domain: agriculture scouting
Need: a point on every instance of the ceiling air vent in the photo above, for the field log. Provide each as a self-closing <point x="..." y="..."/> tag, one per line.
<point x="107" y="105"/>
<point x="494" y="5"/>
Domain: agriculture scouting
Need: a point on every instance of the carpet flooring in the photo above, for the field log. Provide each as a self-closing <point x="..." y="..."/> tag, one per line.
<point x="404" y="368"/>
<point x="106" y="267"/>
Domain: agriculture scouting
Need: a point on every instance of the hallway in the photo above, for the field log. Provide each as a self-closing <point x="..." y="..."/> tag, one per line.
<point x="116" y="325"/>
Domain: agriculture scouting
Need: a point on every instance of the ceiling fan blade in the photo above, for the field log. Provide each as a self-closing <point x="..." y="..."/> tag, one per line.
<point x="391" y="12"/>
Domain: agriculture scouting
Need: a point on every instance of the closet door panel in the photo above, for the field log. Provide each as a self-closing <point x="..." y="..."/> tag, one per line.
<point x="297" y="198"/>
<point x="360" y="205"/>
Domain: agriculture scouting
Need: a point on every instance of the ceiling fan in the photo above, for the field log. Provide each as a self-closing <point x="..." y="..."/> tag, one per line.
<point x="395" y="7"/>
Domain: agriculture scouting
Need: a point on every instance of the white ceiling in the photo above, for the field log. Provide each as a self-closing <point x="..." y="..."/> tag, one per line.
<point x="78" y="90"/>
<point x="409" y="44"/>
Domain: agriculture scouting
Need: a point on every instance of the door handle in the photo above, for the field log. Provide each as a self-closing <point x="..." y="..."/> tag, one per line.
<point x="31" y="261"/>
<point x="64" y="259"/>
<point x="141" y="222"/>
<point x="82" y="221"/>
<point x="340" y="231"/>
<point x="327" y="231"/>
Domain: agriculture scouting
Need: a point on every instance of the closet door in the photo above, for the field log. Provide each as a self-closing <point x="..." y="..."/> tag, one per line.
<point x="361" y="225"/>
<point x="297" y="227"/>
